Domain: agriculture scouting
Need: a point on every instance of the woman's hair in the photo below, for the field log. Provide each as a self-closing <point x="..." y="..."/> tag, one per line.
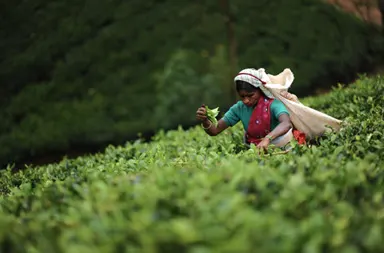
<point x="242" y="85"/>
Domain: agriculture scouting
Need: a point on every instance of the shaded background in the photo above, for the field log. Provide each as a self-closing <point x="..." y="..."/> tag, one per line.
<point x="76" y="76"/>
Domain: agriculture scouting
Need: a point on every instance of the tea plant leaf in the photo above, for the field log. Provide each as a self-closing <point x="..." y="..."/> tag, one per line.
<point x="187" y="192"/>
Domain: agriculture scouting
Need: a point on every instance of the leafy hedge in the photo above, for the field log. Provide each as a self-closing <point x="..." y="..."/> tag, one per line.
<point x="186" y="192"/>
<point x="97" y="72"/>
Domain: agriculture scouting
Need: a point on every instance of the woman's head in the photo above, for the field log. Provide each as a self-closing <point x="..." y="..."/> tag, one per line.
<point x="248" y="79"/>
<point x="248" y="93"/>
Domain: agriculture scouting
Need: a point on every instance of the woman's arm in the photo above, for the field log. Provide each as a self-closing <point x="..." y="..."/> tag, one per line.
<point x="213" y="130"/>
<point x="207" y="125"/>
<point x="281" y="129"/>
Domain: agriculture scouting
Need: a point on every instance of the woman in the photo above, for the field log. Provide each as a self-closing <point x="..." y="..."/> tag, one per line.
<point x="265" y="119"/>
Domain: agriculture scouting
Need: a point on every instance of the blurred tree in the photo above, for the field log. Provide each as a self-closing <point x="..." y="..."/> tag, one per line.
<point x="381" y="8"/>
<point x="232" y="44"/>
<point x="181" y="89"/>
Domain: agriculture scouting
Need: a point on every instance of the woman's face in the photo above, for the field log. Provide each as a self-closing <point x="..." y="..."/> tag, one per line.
<point x="250" y="98"/>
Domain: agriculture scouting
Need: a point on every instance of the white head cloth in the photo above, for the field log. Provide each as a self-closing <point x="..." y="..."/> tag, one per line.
<point x="256" y="77"/>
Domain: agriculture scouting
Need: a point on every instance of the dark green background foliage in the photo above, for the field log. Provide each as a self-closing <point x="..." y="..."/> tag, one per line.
<point x="96" y="72"/>
<point x="186" y="192"/>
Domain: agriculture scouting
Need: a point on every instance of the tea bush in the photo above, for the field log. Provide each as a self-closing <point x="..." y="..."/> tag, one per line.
<point x="75" y="73"/>
<point x="187" y="192"/>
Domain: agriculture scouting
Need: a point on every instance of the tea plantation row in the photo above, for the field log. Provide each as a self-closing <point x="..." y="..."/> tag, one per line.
<point x="187" y="192"/>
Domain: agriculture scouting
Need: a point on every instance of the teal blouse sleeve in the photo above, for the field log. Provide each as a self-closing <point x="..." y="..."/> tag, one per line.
<point x="278" y="108"/>
<point x="232" y="116"/>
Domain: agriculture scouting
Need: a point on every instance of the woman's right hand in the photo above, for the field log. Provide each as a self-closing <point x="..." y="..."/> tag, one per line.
<point x="201" y="113"/>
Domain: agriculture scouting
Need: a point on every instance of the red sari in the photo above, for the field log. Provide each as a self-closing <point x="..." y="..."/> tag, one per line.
<point x="260" y="123"/>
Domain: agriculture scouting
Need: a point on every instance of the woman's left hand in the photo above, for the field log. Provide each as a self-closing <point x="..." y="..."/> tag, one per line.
<point x="264" y="144"/>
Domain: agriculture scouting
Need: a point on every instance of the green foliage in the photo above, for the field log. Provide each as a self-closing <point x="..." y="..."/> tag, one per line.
<point x="187" y="192"/>
<point x="212" y="114"/>
<point x="316" y="41"/>
<point x="95" y="72"/>
<point x="183" y="86"/>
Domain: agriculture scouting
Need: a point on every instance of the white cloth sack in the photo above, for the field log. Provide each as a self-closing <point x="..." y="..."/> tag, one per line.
<point x="305" y="119"/>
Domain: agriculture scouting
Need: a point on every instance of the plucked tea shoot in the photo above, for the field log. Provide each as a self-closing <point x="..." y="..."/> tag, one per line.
<point x="212" y="114"/>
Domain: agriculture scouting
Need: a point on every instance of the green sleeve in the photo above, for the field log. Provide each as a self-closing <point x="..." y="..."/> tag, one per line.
<point x="231" y="117"/>
<point x="278" y="108"/>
